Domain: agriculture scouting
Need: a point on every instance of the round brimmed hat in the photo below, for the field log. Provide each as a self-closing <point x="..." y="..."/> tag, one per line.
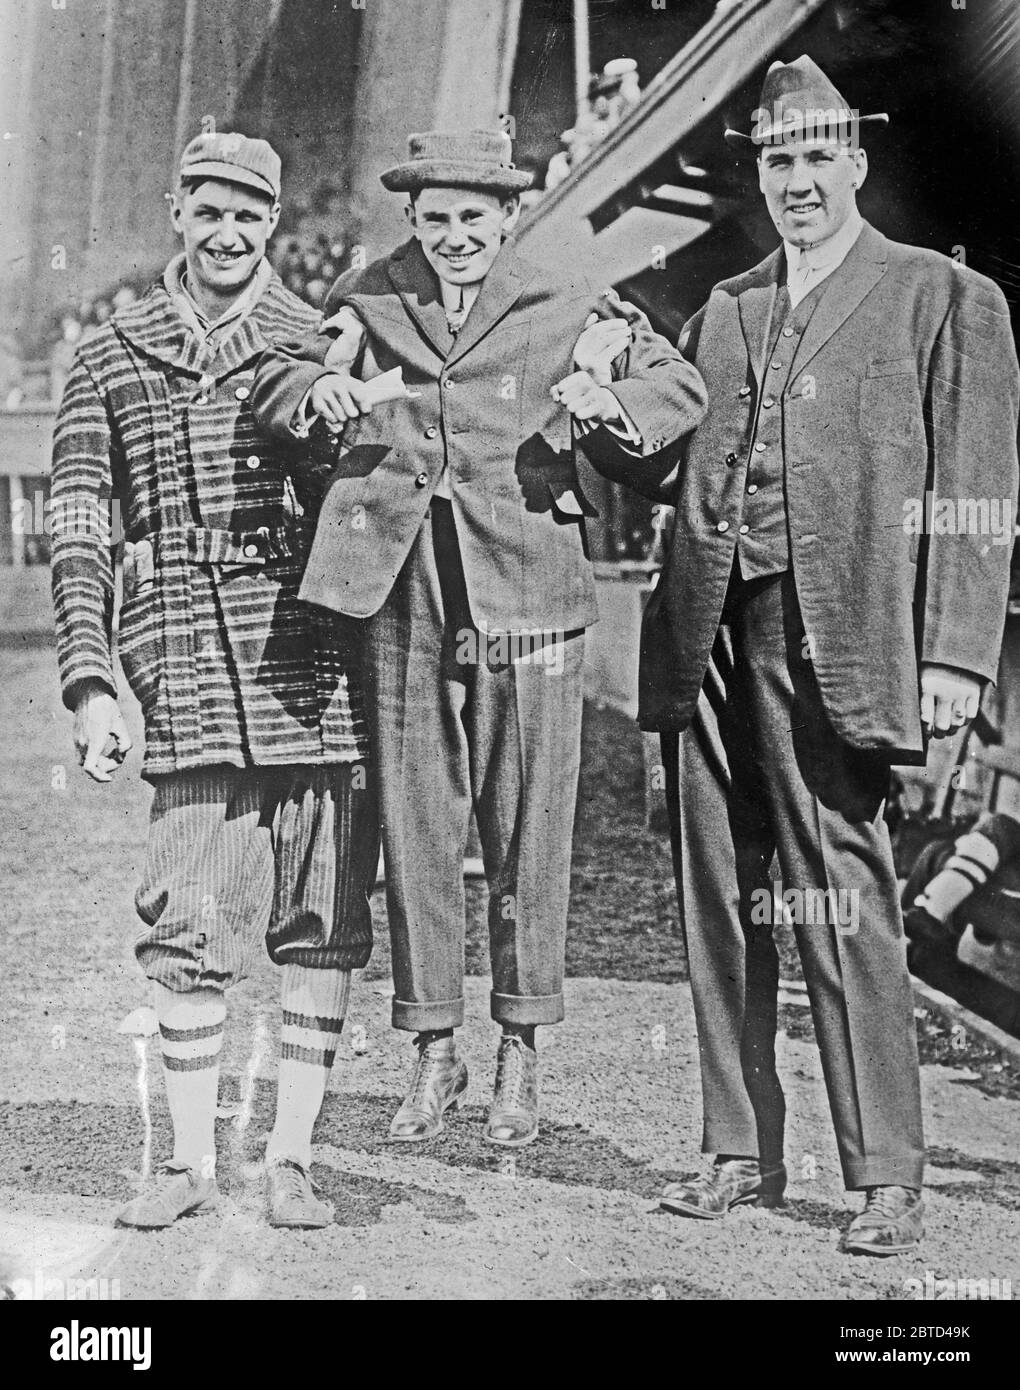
<point x="799" y="102"/>
<point x="471" y="158"/>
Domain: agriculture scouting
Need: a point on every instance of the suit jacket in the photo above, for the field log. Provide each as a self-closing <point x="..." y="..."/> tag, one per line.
<point x="905" y="382"/>
<point x="484" y="410"/>
<point x="227" y="664"/>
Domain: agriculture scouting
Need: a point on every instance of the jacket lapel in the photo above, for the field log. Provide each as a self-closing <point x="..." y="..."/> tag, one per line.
<point x="415" y="281"/>
<point x="847" y="287"/>
<point x="755" y="308"/>
<point x="501" y="289"/>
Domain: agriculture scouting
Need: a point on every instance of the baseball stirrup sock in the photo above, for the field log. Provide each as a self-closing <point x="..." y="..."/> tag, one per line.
<point x="314" y="1007"/>
<point x="191" y="1036"/>
<point x="972" y="863"/>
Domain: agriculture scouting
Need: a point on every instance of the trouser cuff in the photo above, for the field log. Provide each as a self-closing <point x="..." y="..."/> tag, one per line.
<point x="527" y="1008"/>
<point x="427" y="1017"/>
<point x="892" y="1170"/>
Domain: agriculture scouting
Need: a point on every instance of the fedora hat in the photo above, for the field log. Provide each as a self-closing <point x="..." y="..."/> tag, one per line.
<point x="470" y="158"/>
<point x="799" y="102"/>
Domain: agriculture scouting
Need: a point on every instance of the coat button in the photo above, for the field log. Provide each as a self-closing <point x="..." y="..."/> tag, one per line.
<point x="252" y="461"/>
<point x="744" y="530"/>
<point x="251" y="550"/>
<point x="769" y="400"/>
<point x="788" y="332"/>
<point x="431" y="432"/>
<point x="744" y="391"/>
<point x="241" y="393"/>
<point x="730" y="460"/>
<point x="422" y="480"/>
<point x="448" y="383"/>
<point x="723" y="526"/>
<point x="759" y="448"/>
<point x="775" y="365"/>
<point x="752" y="489"/>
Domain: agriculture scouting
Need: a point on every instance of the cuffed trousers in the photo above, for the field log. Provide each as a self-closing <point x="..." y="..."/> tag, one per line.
<point x="760" y="770"/>
<point x="459" y="719"/>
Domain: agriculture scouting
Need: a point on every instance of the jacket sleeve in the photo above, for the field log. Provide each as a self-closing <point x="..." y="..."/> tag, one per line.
<point x="663" y="393"/>
<point x="975" y="398"/>
<point x="286" y="372"/>
<point x="81" y="501"/>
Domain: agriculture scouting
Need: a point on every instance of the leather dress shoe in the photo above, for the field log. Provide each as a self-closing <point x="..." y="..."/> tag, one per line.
<point x="438" y="1084"/>
<point x="890" y="1224"/>
<point x="176" y="1190"/>
<point x="727" y="1185"/>
<point x="513" y="1115"/>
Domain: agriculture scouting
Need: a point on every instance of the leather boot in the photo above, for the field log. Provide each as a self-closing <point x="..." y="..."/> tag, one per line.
<point x="438" y="1084"/>
<point x="513" y="1118"/>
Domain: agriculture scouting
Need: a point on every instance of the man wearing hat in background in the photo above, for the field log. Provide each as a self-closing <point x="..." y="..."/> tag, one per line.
<point x="263" y="813"/>
<point x="803" y="638"/>
<point x="455" y="526"/>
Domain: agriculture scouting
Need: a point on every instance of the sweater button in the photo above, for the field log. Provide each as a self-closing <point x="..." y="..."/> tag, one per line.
<point x="422" y="480"/>
<point x="252" y="461"/>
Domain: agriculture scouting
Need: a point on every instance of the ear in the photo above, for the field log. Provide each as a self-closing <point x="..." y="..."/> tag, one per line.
<point x="860" y="159"/>
<point x="176" y="202"/>
<point x="512" y="215"/>
<point x="274" y="217"/>
<point x="761" y="172"/>
<point x="409" y="214"/>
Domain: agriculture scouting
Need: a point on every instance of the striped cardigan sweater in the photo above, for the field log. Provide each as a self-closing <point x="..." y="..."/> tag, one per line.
<point x="155" y="440"/>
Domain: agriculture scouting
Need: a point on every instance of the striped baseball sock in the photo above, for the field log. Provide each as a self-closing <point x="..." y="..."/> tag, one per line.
<point x="191" y="1034"/>
<point x="314" y="1006"/>
<point x="974" y="860"/>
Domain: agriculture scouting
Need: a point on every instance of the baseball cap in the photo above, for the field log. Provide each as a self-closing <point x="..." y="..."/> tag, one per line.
<point x="235" y="158"/>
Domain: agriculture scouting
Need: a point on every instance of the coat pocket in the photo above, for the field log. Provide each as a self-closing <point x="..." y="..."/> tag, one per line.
<point x="140" y="644"/>
<point x="891" y="411"/>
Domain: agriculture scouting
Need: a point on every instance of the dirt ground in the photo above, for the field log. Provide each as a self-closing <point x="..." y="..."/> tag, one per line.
<point x="573" y="1216"/>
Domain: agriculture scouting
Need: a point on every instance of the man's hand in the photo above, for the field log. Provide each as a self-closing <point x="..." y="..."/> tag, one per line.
<point x="949" y="699"/>
<point x="339" y="397"/>
<point x="600" y="343"/>
<point x="586" y="399"/>
<point x="348" y="342"/>
<point x="101" y="738"/>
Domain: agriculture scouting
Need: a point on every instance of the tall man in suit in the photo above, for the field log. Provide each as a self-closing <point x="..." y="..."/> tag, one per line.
<point x="809" y="630"/>
<point x="455" y="526"/>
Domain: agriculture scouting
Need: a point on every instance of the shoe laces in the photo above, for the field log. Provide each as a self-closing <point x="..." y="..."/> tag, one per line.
<point x="884" y="1201"/>
<point x="510" y="1070"/>
<point x="428" y="1062"/>
<point x="292" y="1177"/>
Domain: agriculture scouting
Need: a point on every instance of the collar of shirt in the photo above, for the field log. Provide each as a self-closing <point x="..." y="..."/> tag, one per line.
<point x="809" y="265"/>
<point x="175" y="283"/>
<point x="457" y="301"/>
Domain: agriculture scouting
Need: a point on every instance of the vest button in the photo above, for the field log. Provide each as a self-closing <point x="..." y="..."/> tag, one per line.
<point x="769" y="400"/>
<point x="422" y="480"/>
<point x="744" y="530"/>
<point x="431" y="432"/>
<point x="752" y="489"/>
<point x="788" y="332"/>
<point x="759" y="448"/>
<point x="775" y="365"/>
<point x="723" y="526"/>
<point x="730" y="460"/>
<point x="744" y="391"/>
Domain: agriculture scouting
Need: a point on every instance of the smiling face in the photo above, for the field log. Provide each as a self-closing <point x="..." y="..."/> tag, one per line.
<point x="225" y="228"/>
<point x="810" y="187"/>
<point x="461" y="230"/>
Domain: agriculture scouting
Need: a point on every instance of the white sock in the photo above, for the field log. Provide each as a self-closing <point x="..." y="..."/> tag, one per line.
<point x="314" y="1007"/>
<point x="972" y="863"/>
<point x="191" y="1035"/>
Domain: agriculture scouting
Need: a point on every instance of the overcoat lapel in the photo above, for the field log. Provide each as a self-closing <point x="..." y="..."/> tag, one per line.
<point x="416" y="283"/>
<point x="501" y="289"/>
<point x="755" y="308"/>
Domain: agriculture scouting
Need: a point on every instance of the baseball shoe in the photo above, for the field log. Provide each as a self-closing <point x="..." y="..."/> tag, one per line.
<point x="292" y="1199"/>
<point x="177" y="1190"/>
